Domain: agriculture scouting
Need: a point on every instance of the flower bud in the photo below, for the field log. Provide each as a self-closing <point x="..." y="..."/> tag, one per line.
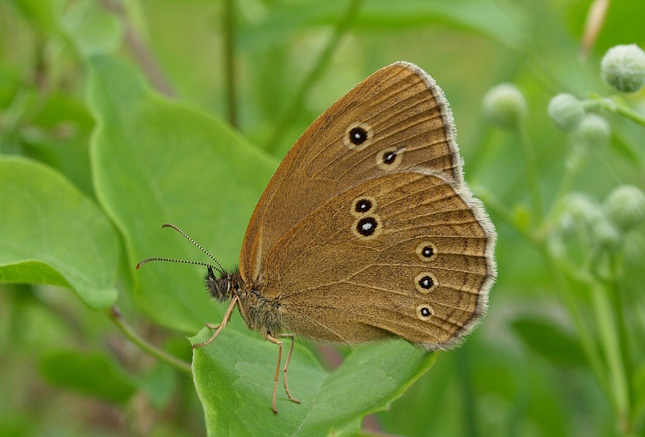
<point x="582" y="208"/>
<point x="566" y="111"/>
<point x="505" y="105"/>
<point x="625" y="207"/>
<point x="623" y="67"/>
<point x="593" y="131"/>
<point x="606" y="234"/>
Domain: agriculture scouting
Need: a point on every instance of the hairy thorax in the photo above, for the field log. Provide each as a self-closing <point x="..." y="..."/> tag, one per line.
<point x="261" y="314"/>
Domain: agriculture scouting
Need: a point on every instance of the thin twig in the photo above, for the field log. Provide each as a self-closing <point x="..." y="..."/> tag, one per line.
<point x="342" y="27"/>
<point x="115" y="315"/>
<point x="532" y="179"/>
<point x="230" y="69"/>
<point x="141" y="51"/>
<point x="612" y="105"/>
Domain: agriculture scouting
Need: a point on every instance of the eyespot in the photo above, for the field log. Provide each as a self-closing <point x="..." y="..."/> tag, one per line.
<point x="362" y="205"/>
<point x="367" y="228"/>
<point x="390" y="158"/>
<point x="358" y="136"/>
<point x="425" y="282"/>
<point x="427" y="251"/>
<point x="425" y="312"/>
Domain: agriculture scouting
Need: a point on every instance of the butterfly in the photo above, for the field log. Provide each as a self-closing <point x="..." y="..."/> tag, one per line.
<point x="367" y="229"/>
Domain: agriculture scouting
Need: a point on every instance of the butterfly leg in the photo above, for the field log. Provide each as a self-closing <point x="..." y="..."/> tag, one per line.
<point x="286" y="366"/>
<point x="221" y="326"/>
<point x="277" y="369"/>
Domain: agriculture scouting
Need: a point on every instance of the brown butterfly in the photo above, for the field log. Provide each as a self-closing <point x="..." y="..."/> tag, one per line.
<point x="367" y="230"/>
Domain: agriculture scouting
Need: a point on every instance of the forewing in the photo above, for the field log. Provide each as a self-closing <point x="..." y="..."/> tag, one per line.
<point x="408" y="125"/>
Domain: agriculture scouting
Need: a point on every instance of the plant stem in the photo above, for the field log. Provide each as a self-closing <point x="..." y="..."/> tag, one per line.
<point x="229" y="61"/>
<point x="342" y="27"/>
<point x="115" y="315"/>
<point x="500" y="210"/>
<point x="586" y="339"/>
<point x="613" y="105"/>
<point x="610" y="343"/>
<point x="530" y="163"/>
<point x="140" y="50"/>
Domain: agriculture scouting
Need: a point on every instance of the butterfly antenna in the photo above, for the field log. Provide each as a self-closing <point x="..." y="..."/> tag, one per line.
<point x="156" y="258"/>
<point x="217" y="266"/>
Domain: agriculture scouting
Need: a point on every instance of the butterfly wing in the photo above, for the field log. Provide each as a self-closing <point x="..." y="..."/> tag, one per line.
<point x="407" y="253"/>
<point x="395" y="119"/>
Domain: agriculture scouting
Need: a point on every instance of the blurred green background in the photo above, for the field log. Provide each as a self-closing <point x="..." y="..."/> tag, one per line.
<point x="119" y="115"/>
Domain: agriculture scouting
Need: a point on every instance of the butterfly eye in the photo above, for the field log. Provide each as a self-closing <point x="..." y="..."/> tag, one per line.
<point x="425" y="282"/>
<point x="390" y="158"/>
<point x="358" y="136"/>
<point x="427" y="251"/>
<point x="367" y="227"/>
<point x="362" y="205"/>
<point x="425" y="312"/>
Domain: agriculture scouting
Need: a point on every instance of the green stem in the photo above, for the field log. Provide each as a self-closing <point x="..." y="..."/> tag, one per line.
<point x="530" y="163"/>
<point x="115" y="315"/>
<point x="613" y="105"/>
<point x="229" y="61"/>
<point x="499" y="209"/>
<point x="140" y="49"/>
<point x="463" y="363"/>
<point x="291" y="113"/>
<point x="610" y="342"/>
<point x="586" y="339"/>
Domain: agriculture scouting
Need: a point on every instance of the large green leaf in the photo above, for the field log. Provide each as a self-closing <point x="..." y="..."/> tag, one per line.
<point x="156" y="161"/>
<point x="234" y="379"/>
<point x="50" y="233"/>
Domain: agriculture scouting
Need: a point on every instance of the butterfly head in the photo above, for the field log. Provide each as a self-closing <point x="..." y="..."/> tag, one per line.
<point x="221" y="288"/>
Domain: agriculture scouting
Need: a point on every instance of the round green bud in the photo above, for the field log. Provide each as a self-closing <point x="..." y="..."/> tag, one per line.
<point x="566" y="111"/>
<point x="593" y="131"/>
<point x="505" y="105"/>
<point x="582" y="208"/>
<point x="625" y="207"/>
<point x="606" y="234"/>
<point x="623" y="67"/>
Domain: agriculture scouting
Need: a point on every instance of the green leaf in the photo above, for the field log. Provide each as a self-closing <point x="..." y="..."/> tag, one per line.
<point x="91" y="373"/>
<point x="234" y="380"/>
<point x="157" y="161"/>
<point x="89" y="26"/>
<point x="50" y="233"/>
<point x="160" y="385"/>
<point x="551" y="341"/>
<point x="38" y="12"/>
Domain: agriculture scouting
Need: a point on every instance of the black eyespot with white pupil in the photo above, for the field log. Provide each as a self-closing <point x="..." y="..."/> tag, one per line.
<point x="366" y="226"/>
<point x="389" y="157"/>
<point x="426" y="282"/>
<point x="427" y="251"/>
<point x="357" y="136"/>
<point x="363" y="205"/>
<point x="425" y="312"/>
